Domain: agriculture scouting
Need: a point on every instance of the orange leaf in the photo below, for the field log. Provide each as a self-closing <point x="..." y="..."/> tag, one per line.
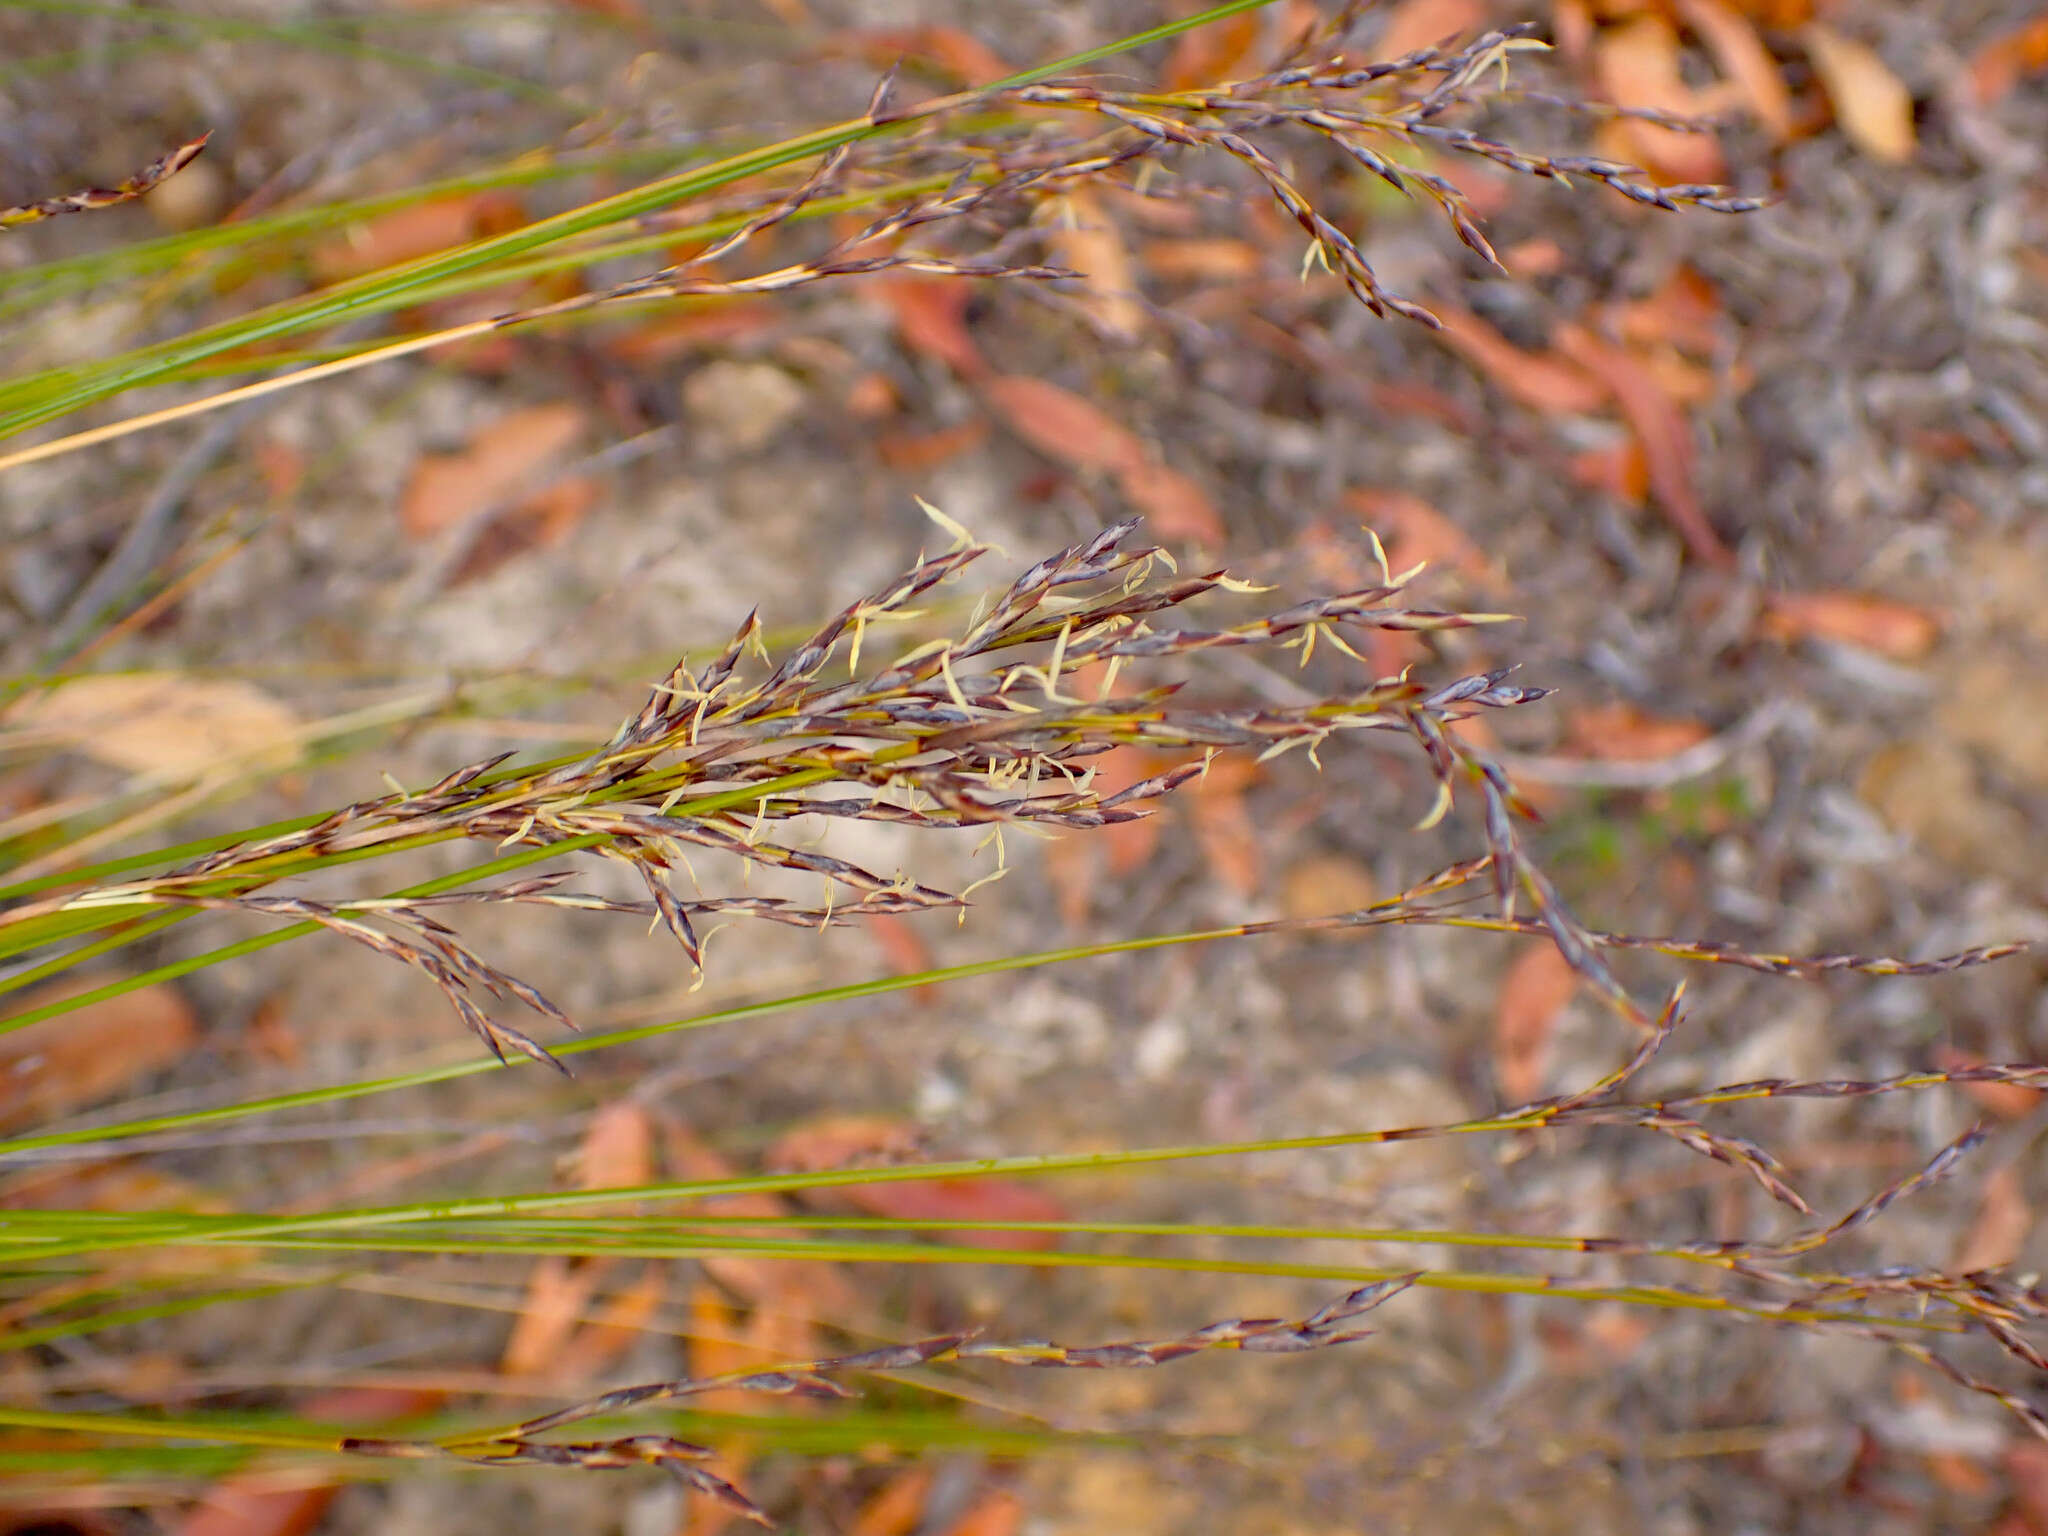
<point x="1414" y="530"/>
<point x="2008" y="1101"/>
<point x="1174" y="505"/>
<point x="405" y="234"/>
<point x="1621" y="471"/>
<point x="1732" y="39"/>
<point x="1664" y="433"/>
<point x="911" y="452"/>
<point x="618" y="1326"/>
<point x="1543" y="381"/>
<point x="964" y="1200"/>
<point x="897" y="1506"/>
<point x="1210" y="55"/>
<point x="1871" y="103"/>
<point x="1226" y="261"/>
<point x="1085" y="238"/>
<point x="956" y="52"/>
<point x="618" y="1148"/>
<point x="450" y="488"/>
<point x="556" y="1294"/>
<point x="1685" y="312"/>
<point x="78" y="1058"/>
<point x="994" y="1514"/>
<point x="2001" y="63"/>
<point x="931" y="318"/>
<point x="841" y="1141"/>
<point x="542" y="521"/>
<point x="1621" y="733"/>
<point x="1533" y="993"/>
<point x="1061" y="425"/>
<point x="680" y="333"/>
<point x="251" y="1503"/>
<point x="1417" y="24"/>
<point x="1901" y="631"/>
<point x="2002" y="1222"/>
<point x="1638" y="66"/>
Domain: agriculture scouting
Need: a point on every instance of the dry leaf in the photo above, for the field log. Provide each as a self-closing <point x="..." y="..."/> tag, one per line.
<point x="2008" y="58"/>
<point x="163" y="722"/>
<point x="617" y="1150"/>
<point x="1223" y="825"/>
<point x="2000" y="1229"/>
<point x="1533" y="993"/>
<point x="681" y="331"/>
<point x="956" y="52"/>
<point x="1212" y="54"/>
<point x="556" y="1294"/>
<point x="616" y="1328"/>
<point x="2008" y="1101"/>
<point x="1417" y="24"/>
<point x="447" y="489"/>
<point x="896" y="1507"/>
<point x="1413" y="530"/>
<point x="543" y="520"/>
<point x="1732" y="39"/>
<point x="841" y="1141"/>
<point x="406" y="234"/>
<point x="1085" y="238"/>
<point x="960" y="1200"/>
<point x="931" y="319"/>
<point x="1684" y="312"/>
<point x="1637" y="63"/>
<point x="915" y="452"/>
<point x="1621" y="471"/>
<point x="1871" y="103"/>
<point x="1661" y="429"/>
<point x="1621" y="733"/>
<point x="1326" y="883"/>
<point x="993" y="1514"/>
<point x="1543" y="381"/>
<point x="1063" y="426"/>
<point x="252" y="1503"/>
<point x="1901" y="631"/>
<point x="1175" y="506"/>
<point x="1221" y="261"/>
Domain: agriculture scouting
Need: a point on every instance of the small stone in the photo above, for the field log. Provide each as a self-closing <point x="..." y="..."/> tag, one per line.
<point x="739" y="407"/>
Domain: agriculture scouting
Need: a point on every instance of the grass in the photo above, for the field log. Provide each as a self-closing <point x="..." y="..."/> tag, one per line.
<point x="912" y="708"/>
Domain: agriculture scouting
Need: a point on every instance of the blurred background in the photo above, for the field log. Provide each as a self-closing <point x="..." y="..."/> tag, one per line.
<point x="1766" y="491"/>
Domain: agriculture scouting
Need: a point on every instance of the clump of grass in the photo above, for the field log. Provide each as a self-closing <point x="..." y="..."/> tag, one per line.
<point x="988" y="728"/>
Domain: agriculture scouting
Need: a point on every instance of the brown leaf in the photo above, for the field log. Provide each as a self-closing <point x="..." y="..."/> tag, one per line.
<point x="618" y="1326"/>
<point x="1325" y="883"/>
<point x="915" y="452"/>
<point x="1062" y="425"/>
<point x="2001" y="1225"/>
<point x="252" y="1503"/>
<point x="1174" y="505"/>
<point x="618" y="1148"/>
<point x="1902" y="631"/>
<point x="896" y="1507"/>
<point x="1084" y="237"/>
<point x="841" y="1141"/>
<point x="1664" y="433"/>
<point x="1621" y="471"/>
<point x="957" y="52"/>
<point x="1684" y="312"/>
<point x="421" y="229"/>
<point x="450" y="488"/>
<point x="962" y="1200"/>
<point x="1871" y="103"/>
<point x="2008" y="1101"/>
<point x="993" y="1514"/>
<point x="1210" y="55"/>
<point x="1223" y="824"/>
<point x="543" y="520"/>
<point x="1218" y="261"/>
<point x="931" y="319"/>
<point x="1637" y="64"/>
<point x="1621" y="733"/>
<point x="1533" y="993"/>
<point x="1413" y="530"/>
<point x="92" y="1053"/>
<point x="682" y="331"/>
<point x="1417" y="24"/>
<point x="1543" y="381"/>
<point x="1732" y="39"/>
<point x="163" y="722"/>
<point x="556" y="1294"/>
<point x="2007" y="59"/>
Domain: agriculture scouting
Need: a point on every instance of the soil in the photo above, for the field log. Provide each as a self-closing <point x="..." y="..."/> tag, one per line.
<point x="1871" y="419"/>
